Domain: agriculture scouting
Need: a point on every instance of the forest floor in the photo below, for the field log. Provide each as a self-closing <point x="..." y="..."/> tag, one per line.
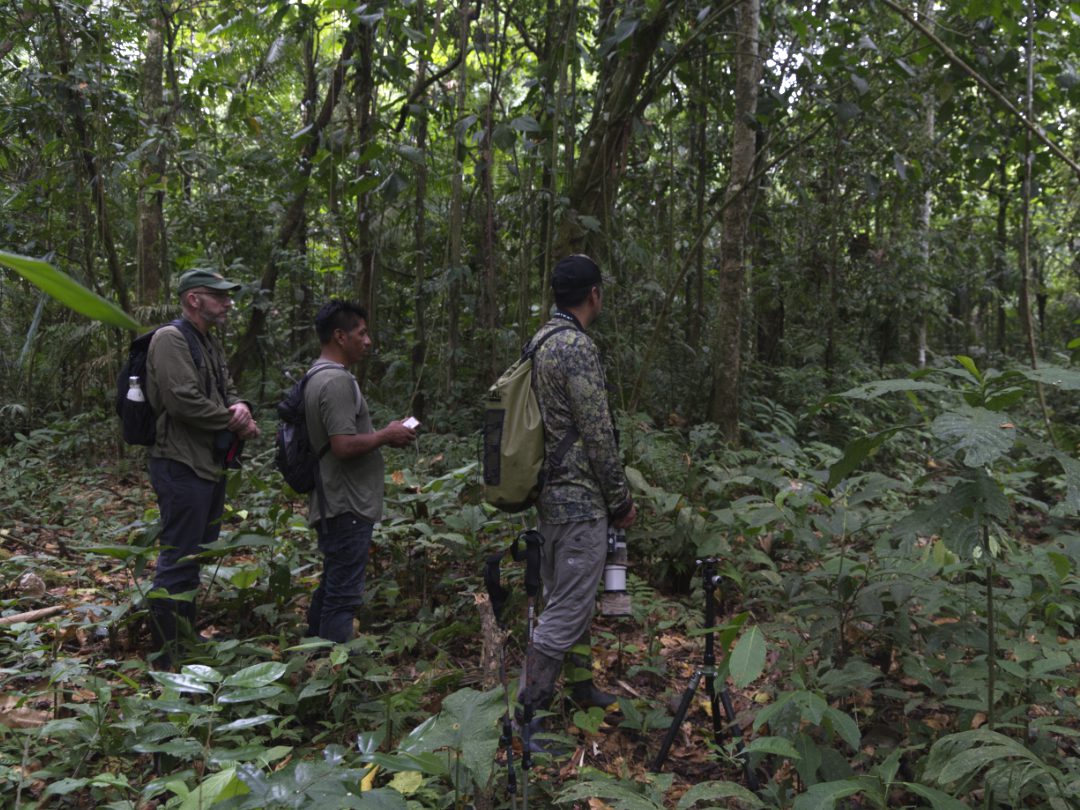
<point x="650" y="663"/>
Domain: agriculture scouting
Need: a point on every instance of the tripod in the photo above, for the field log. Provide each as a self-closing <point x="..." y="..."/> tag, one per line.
<point x="710" y="580"/>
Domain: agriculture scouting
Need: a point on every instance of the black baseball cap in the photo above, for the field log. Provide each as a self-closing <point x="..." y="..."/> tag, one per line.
<point x="576" y="272"/>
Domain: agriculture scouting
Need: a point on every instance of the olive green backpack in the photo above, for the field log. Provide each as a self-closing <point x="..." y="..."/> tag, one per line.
<point x="513" y="436"/>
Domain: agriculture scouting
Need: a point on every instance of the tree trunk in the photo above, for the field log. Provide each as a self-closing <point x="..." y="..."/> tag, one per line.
<point x="489" y="293"/>
<point x="926" y="205"/>
<point x="599" y="168"/>
<point x="699" y="159"/>
<point x="150" y="240"/>
<point x="1001" y="252"/>
<point x="453" y="336"/>
<point x="247" y="345"/>
<point x="417" y="403"/>
<point x="365" y="109"/>
<point x="91" y="164"/>
<point x="724" y="405"/>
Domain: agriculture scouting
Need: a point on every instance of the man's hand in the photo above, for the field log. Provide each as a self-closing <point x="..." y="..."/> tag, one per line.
<point x="397" y="435"/>
<point x="627" y="520"/>
<point x="241" y="422"/>
<point x="252" y="431"/>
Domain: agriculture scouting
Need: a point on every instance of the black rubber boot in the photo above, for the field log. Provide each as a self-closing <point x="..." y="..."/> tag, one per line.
<point x="583" y="691"/>
<point x="164" y="633"/>
<point x="186" y="626"/>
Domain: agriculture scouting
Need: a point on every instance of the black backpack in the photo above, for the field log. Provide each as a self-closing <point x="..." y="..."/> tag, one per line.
<point x="295" y="458"/>
<point x="137" y="419"/>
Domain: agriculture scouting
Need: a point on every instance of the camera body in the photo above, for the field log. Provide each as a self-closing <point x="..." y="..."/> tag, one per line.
<point x="227" y="448"/>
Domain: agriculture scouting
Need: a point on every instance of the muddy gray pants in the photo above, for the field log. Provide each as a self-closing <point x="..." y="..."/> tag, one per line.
<point x="572" y="563"/>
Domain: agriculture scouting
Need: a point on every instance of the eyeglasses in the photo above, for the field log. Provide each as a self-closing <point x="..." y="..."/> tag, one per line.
<point x="216" y="294"/>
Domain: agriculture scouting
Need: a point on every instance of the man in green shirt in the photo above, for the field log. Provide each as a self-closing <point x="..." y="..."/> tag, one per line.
<point x="199" y="417"/>
<point x="352" y="470"/>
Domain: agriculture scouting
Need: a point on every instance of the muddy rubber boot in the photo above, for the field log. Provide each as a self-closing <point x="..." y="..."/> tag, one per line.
<point x="541" y="673"/>
<point x="583" y="691"/>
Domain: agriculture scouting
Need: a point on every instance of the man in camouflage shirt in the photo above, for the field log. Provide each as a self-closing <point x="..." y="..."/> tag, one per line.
<point x="585" y="489"/>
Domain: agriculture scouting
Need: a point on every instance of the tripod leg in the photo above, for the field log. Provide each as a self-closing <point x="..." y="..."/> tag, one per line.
<point x="736" y="735"/>
<point x="680" y="715"/>
<point x="714" y="704"/>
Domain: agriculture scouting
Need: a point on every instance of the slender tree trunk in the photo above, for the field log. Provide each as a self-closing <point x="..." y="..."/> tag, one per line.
<point x="489" y="260"/>
<point x="926" y="205"/>
<point x="150" y="248"/>
<point x="365" y="109"/>
<point x="457" y="218"/>
<point x="300" y="273"/>
<point x="699" y="159"/>
<point x="724" y="405"/>
<point x="91" y="164"/>
<point x="248" y="344"/>
<point x="1025" y="202"/>
<point x="417" y="404"/>
<point x="1025" y="238"/>
<point x="622" y="97"/>
<point x="1001" y="251"/>
<point x="560" y="45"/>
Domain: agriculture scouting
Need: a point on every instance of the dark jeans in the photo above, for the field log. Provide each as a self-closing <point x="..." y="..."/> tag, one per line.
<point x="191" y="510"/>
<point x="344" y="547"/>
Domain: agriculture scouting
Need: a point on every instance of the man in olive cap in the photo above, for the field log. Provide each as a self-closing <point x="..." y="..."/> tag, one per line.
<point x="200" y="421"/>
<point x="585" y="490"/>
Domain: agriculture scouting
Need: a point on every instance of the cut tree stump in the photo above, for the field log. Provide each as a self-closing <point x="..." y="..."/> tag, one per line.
<point x="493" y="643"/>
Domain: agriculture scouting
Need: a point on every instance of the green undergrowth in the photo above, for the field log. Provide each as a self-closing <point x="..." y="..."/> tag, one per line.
<point x="897" y="599"/>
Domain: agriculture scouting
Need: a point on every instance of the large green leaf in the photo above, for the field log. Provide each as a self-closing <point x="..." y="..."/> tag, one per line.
<point x="182" y="682"/>
<point x="256" y="675"/>
<point x="844" y="726"/>
<point x="961" y="756"/>
<point x="222" y="785"/>
<point x="937" y="799"/>
<point x="712" y="791"/>
<point x="1066" y="379"/>
<point x="777" y="746"/>
<point x="825" y="795"/>
<point x="977" y="435"/>
<point x="68" y="291"/>
<point x="623" y="794"/>
<point x="747" y="660"/>
<point x="873" y="390"/>
<point x="1071" y="467"/>
<point x="856" y="451"/>
<point x="468" y="724"/>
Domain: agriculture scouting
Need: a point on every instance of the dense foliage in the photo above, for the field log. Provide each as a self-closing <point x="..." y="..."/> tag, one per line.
<point x="839" y="343"/>
<point x="897" y="624"/>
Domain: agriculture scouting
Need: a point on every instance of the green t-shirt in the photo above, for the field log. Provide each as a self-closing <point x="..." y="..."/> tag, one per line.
<point x="335" y="407"/>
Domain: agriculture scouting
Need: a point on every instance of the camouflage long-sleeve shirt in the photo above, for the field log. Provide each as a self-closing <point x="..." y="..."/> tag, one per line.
<point x="589" y="483"/>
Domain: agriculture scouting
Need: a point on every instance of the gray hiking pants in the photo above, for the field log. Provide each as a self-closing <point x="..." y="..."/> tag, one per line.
<point x="572" y="563"/>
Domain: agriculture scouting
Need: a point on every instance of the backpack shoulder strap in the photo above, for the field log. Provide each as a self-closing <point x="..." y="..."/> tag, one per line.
<point x="187" y="329"/>
<point x="311" y="372"/>
<point x="572" y="434"/>
<point x="315" y="369"/>
<point x="195" y="346"/>
<point x="533" y="347"/>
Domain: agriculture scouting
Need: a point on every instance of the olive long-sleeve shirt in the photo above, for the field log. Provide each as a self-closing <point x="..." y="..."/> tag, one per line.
<point x="590" y="482"/>
<point x="190" y="407"/>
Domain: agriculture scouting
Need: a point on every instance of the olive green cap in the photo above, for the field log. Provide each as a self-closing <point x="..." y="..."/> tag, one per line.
<point x="200" y="277"/>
